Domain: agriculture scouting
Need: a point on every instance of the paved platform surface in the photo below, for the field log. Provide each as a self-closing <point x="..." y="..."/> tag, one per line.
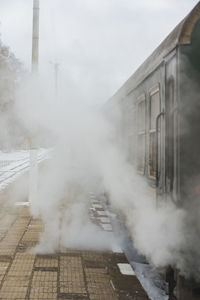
<point x="72" y="274"/>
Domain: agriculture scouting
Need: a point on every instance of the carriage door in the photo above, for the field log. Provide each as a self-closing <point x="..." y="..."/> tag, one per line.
<point x="172" y="144"/>
<point x="155" y="149"/>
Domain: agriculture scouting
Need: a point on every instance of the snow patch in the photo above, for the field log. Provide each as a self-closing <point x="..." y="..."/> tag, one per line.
<point x="151" y="281"/>
<point x="126" y="269"/>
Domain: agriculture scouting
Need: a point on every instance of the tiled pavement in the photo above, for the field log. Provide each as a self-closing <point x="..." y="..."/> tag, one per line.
<point x="73" y="274"/>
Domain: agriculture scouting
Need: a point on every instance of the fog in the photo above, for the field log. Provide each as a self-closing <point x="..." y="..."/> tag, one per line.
<point x="98" y="44"/>
<point x="86" y="155"/>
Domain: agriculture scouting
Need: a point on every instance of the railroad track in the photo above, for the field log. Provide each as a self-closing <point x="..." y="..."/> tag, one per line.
<point x="15" y="168"/>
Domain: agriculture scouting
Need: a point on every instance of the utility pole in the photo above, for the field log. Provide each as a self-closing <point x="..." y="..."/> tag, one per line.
<point x="35" y="35"/>
<point x="33" y="173"/>
<point x="56" y="69"/>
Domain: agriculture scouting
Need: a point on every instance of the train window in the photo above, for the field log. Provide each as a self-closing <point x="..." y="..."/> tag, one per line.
<point x="141" y="116"/>
<point x="172" y="141"/>
<point x="130" y="132"/>
<point x="141" y="112"/>
<point x="154" y="110"/>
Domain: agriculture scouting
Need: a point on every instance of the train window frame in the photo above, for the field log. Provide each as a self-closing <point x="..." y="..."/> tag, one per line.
<point x="141" y="133"/>
<point x="130" y="132"/>
<point x="152" y="131"/>
<point x="172" y="140"/>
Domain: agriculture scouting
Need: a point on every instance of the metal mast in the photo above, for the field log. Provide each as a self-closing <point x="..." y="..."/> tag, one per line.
<point x="56" y="69"/>
<point x="35" y="36"/>
<point x="33" y="173"/>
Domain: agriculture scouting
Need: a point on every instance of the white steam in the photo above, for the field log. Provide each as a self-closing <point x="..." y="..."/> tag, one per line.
<point x="86" y="157"/>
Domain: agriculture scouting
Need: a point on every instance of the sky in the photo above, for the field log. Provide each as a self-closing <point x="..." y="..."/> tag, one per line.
<point x="98" y="43"/>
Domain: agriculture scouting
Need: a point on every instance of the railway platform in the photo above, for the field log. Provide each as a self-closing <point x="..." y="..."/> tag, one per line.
<point x="70" y="274"/>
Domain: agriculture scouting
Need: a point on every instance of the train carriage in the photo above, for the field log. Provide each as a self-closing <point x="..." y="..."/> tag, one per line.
<point x="160" y="126"/>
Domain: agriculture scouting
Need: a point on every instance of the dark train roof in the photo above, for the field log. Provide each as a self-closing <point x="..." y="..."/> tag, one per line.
<point x="180" y="35"/>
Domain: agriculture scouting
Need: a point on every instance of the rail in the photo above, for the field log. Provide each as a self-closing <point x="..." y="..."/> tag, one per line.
<point x="11" y="169"/>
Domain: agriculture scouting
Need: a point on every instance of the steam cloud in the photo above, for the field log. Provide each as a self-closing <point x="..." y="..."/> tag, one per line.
<point x="87" y="157"/>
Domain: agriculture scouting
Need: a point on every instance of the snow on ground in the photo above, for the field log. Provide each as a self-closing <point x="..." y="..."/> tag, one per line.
<point x="126" y="269"/>
<point x="15" y="163"/>
<point x="151" y="281"/>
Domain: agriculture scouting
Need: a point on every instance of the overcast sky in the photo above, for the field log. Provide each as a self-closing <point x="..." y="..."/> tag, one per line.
<point x="98" y="43"/>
